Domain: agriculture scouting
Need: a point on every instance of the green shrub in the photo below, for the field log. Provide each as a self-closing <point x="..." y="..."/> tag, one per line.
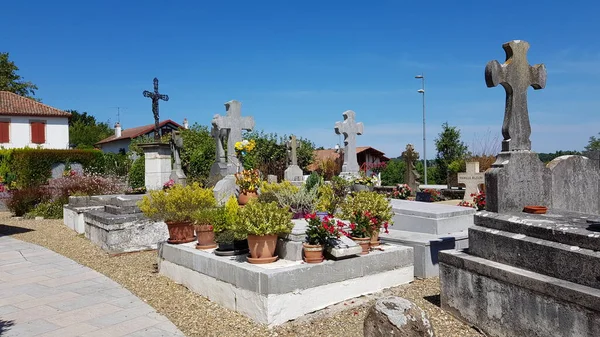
<point x="32" y="167"/>
<point x="48" y="209"/>
<point x="117" y="164"/>
<point x="261" y="218"/>
<point x="137" y="173"/>
<point x="314" y="179"/>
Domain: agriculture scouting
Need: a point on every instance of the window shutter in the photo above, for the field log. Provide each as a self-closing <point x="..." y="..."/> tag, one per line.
<point x="4" y="132"/>
<point x="38" y="133"/>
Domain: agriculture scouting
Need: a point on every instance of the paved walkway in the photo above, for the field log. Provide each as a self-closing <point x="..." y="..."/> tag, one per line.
<point x="46" y="294"/>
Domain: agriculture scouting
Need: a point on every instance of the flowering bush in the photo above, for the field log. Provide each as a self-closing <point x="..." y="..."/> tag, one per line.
<point x="324" y="232"/>
<point x="84" y="184"/>
<point x="248" y="180"/>
<point x="364" y="224"/>
<point x="435" y="195"/>
<point x="479" y="200"/>
<point x="401" y="191"/>
<point x="169" y="184"/>
<point x="365" y="180"/>
<point x="465" y="203"/>
<point x="374" y="167"/>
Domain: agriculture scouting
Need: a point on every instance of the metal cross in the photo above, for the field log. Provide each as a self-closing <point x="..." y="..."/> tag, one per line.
<point x="515" y="75"/>
<point x="155" y="96"/>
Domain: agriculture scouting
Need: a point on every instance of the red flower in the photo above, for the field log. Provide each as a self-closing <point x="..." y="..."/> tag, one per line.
<point x="352" y="226"/>
<point x="310" y="216"/>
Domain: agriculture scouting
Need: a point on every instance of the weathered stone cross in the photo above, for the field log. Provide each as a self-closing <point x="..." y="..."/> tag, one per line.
<point x="472" y="179"/>
<point x="293" y="146"/>
<point x="155" y="96"/>
<point x="234" y="123"/>
<point x="516" y="75"/>
<point x="349" y="128"/>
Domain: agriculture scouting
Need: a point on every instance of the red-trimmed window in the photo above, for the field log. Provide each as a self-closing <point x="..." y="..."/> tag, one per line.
<point x="4" y="132"/>
<point x="38" y="132"/>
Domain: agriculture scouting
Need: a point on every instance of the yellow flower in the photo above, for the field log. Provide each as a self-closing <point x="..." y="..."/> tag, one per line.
<point x="239" y="146"/>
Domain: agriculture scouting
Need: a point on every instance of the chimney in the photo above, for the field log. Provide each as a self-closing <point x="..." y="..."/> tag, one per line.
<point x="118" y="130"/>
<point x="185" y="123"/>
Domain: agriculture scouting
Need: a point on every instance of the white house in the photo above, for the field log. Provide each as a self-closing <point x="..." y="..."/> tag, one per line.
<point x="119" y="142"/>
<point x="27" y="123"/>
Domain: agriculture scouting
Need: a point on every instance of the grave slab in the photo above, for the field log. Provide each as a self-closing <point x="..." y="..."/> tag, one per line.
<point x="430" y="218"/>
<point x="264" y="292"/>
<point x="73" y="212"/>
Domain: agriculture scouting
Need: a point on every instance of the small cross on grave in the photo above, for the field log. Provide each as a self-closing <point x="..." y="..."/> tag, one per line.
<point x="233" y="123"/>
<point x="156" y="96"/>
<point x="472" y="179"/>
<point x="350" y="129"/>
<point x="516" y="75"/>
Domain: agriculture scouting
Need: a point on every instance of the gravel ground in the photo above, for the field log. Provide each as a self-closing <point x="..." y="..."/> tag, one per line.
<point x="195" y="315"/>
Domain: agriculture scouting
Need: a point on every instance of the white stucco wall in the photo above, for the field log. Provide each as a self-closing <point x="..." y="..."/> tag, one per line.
<point x="113" y="147"/>
<point x="57" y="132"/>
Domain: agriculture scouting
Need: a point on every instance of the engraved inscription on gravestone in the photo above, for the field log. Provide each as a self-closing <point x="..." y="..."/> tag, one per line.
<point x="472" y="179"/>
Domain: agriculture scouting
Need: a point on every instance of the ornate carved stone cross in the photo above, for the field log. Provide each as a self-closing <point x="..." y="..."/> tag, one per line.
<point x="472" y="179"/>
<point x="349" y="128"/>
<point x="516" y="75"/>
<point x="292" y="147"/>
<point x="233" y="123"/>
<point x="156" y="96"/>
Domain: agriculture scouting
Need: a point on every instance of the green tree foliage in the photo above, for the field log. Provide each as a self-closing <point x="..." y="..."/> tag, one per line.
<point x="270" y="154"/>
<point x="198" y="153"/>
<point x="393" y="173"/>
<point x="137" y="175"/>
<point x="85" y="130"/>
<point x="11" y="81"/>
<point x="449" y="148"/>
<point x="593" y="144"/>
<point x="548" y="157"/>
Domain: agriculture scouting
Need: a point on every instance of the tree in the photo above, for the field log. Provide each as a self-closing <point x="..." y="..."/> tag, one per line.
<point x="593" y="144"/>
<point x="393" y="173"/>
<point x="198" y="152"/>
<point x="449" y="148"/>
<point x="85" y="131"/>
<point x="11" y="81"/>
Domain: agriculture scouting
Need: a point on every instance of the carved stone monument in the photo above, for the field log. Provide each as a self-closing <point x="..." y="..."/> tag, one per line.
<point x="472" y="179"/>
<point x="230" y="127"/>
<point x="293" y="172"/>
<point x="411" y="176"/>
<point x="350" y="129"/>
<point x="177" y="173"/>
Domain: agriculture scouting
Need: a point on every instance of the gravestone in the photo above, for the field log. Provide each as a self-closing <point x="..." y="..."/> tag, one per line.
<point x="157" y="160"/>
<point x="177" y="173"/>
<point x="58" y="169"/>
<point x="411" y="176"/>
<point x="293" y="172"/>
<point x="350" y="129"/>
<point x="472" y="179"/>
<point x="272" y="179"/>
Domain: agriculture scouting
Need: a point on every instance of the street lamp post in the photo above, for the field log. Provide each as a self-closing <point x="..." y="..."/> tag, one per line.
<point x="422" y="91"/>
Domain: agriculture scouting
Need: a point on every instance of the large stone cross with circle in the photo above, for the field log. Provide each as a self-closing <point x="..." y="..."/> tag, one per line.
<point x="350" y="129"/>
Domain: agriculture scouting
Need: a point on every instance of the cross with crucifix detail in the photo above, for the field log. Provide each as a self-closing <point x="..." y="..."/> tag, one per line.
<point x="292" y="147"/>
<point x="516" y="75"/>
<point x="349" y="128"/>
<point x="233" y="124"/>
<point x="155" y="96"/>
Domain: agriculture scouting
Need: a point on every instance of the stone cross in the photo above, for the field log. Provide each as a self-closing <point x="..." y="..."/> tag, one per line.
<point x="155" y="96"/>
<point x="292" y="147"/>
<point x="515" y="75"/>
<point x="349" y="128"/>
<point x="233" y="123"/>
<point x="411" y="177"/>
<point x="217" y="134"/>
<point x="472" y="179"/>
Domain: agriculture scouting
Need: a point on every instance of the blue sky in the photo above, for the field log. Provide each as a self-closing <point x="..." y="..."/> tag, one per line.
<point x="297" y="65"/>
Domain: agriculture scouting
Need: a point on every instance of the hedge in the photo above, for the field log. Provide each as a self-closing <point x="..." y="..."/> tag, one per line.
<point x="33" y="167"/>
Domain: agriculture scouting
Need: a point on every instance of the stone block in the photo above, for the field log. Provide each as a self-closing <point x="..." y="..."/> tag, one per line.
<point x="566" y="262"/>
<point x="430" y="218"/>
<point x="73" y="217"/>
<point x="515" y="180"/>
<point x="225" y="188"/>
<point x="575" y="184"/>
<point x="289" y="250"/>
<point x="505" y="301"/>
<point x="344" y="247"/>
<point x="426" y="247"/>
<point x="395" y="316"/>
<point x="293" y="173"/>
<point x="158" y="167"/>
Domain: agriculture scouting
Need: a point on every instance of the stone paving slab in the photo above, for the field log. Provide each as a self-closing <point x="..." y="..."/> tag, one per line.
<point x="46" y="294"/>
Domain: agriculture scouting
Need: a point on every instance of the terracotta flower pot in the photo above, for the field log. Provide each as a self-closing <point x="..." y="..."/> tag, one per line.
<point x="365" y="244"/>
<point x="262" y="248"/>
<point x="243" y="198"/>
<point x="206" y="237"/>
<point x="180" y="232"/>
<point x="375" y="239"/>
<point x="313" y="253"/>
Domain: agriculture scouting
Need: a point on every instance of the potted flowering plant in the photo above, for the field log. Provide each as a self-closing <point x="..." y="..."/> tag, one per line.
<point x="364" y="182"/>
<point x="263" y="222"/>
<point x="369" y="211"/>
<point x="176" y="207"/>
<point x="479" y="200"/>
<point x="242" y="149"/>
<point x="320" y="233"/>
<point x="401" y="191"/>
<point x="300" y="202"/>
<point x="248" y="181"/>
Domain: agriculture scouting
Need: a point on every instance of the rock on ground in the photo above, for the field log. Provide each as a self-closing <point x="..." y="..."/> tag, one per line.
<point x="395" y="316"/>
